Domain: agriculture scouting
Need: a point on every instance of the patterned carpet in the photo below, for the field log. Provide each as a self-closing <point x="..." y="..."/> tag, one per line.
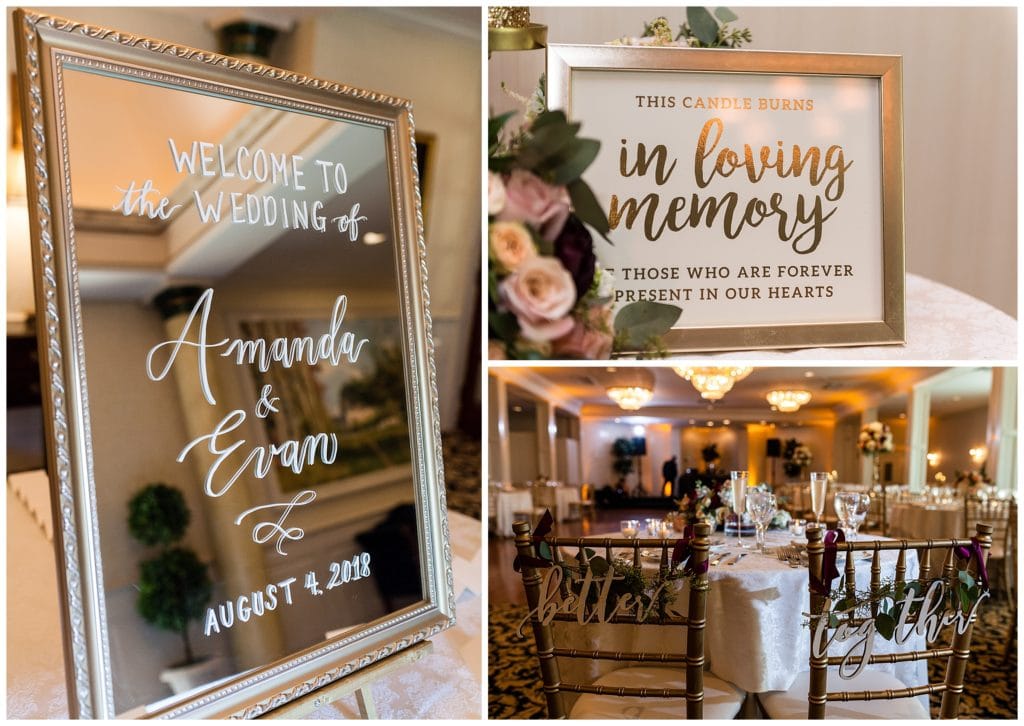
<point x="462" y="473"/>
<point x="514" y="689"/>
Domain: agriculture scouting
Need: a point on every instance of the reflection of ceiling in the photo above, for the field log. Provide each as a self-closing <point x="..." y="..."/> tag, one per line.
<point x="123" y="264"/>
<point x="835" y="391"/>
<point x="140" y="150"/>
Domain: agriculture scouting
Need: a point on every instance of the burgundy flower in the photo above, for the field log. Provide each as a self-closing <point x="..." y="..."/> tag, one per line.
<point x="575" y="248"/>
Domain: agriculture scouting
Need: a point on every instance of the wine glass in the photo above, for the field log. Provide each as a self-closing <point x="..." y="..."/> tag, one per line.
<point x="739" y="501"/>
<point x="841" y="504"/>
<point x="761" y="506"/>
<point x="629" y="528"/>
<point x="857" y="507"/>
<point x="819" y="488"/>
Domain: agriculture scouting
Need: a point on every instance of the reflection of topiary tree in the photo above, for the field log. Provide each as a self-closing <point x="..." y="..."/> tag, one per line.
<point x="623" y="452"/>
<point x="384" y="388"/>
<point x="174" y="586"/>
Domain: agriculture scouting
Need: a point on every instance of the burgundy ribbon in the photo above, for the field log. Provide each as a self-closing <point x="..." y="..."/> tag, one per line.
<point x="829" y="571"/>
<point x="543" y="530"/>
<point x="683" y="552"/>
<point x="978" y="553"/>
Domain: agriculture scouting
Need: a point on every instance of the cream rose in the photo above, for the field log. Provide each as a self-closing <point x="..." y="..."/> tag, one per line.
<point x="511" y="244"/>
<point x="529" y="199"/>
<point x="495" y="193"/>
<point x="540" y="293"/>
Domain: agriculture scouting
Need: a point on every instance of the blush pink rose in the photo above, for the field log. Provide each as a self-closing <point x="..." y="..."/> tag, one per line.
<point x="589" y="339"/>
<point x="511" y="243"/>
<point x="529" y="199"/>
<point x="540" y="294"/>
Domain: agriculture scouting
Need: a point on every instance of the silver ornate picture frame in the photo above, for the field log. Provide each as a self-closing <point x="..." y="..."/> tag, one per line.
<point x="55" y="54"/>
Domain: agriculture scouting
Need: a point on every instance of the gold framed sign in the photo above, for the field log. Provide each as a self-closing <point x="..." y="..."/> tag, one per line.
<point x="759" y="192"/>
<point x="240" y="396"/>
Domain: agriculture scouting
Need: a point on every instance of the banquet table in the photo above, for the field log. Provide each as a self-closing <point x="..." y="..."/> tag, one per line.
<point x="443" y="684"/>
<point x="916" y="520"/>
<point x="942" y="323"/>
<point x="756" y="636"/>
<point x="506" y="503"/>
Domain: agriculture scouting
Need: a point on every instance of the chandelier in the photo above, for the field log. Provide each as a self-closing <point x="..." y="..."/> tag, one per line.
<point x="788" y="401"/>
<point x="714" y="382"/>
<point x="630" y="398"/>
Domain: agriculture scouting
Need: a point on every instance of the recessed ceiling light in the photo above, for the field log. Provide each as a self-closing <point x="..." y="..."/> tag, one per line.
<point x="726" y="422"/>
<point x="903" y="415"/>
<point x="693" y="421"/>
<point x="808" y="374"/>
<point x="517" y="409"/>
<point x="374" y="238"/>
<point x="711" y="423"/>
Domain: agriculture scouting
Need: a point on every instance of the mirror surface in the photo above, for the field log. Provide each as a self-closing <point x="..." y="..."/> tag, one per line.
<point x="243" y="346"/>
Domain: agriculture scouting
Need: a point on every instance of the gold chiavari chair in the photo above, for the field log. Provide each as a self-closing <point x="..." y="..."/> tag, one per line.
<point x="878" y="694"/>
<point x="652" y="684"/>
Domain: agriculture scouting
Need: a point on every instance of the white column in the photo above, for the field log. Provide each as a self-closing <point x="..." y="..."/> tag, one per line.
<point x="1001" y="436"/>
<point x="500" y="451"/>
<point x="920" y="403"/>
<point x="546" y="429"/>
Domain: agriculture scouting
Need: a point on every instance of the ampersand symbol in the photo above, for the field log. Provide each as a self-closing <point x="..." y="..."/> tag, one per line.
<point x="265" y="406"/>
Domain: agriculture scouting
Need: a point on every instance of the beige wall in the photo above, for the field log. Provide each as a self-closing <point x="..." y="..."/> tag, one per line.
<point x="952" y="436"/>
<point x="960" y="116"/>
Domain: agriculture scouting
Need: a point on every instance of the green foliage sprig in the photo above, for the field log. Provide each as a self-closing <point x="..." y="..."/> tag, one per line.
<point x="704" y="30"/>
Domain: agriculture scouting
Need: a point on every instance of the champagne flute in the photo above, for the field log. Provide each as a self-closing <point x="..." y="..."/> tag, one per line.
<point x="739" y="502"/>
<point x="819" y="488"/>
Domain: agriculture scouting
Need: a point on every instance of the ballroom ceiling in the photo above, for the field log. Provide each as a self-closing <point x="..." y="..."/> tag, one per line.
<point x="835" y="391"/>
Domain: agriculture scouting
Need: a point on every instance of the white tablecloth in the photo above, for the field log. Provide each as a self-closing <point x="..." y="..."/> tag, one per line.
<point x="756" y="637"/>
<point x="506" y="504"/>
<point x="909" y="520"/>
<point x="942" y="324"/>
<point x="445" y="683"/>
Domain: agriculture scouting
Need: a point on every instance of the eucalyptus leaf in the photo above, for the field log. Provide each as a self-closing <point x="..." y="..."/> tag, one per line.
<point x="549" y="117"/>
<point x="504" y="325"/>
<point x="703" y="26"/>
<point x="725" y="15"/>
<point x="965" y="578"/>
<point x="833" y="620"/>
<point x="643" y="320"/>
<point x="587" y="208"/>
<point x="599" y="566"/>
<point x="589" y="552"/>
<point x="885" y="625"/>
<point x="578" y="156"/>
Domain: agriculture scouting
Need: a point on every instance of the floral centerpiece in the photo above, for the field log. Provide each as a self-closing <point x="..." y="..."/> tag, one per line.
<point x="702" y="29"/>
<point x="797" y="457"/>
<point x="875" y="438"/>
<point x="549" y="296"/>
<point x="714" y="504"/>
<point x="703" y="503"/>
<point x="976" y="483"/>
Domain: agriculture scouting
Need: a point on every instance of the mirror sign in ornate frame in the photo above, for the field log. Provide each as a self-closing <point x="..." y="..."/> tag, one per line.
<point x="760" y="192"/>
<point x="49" y="50"/>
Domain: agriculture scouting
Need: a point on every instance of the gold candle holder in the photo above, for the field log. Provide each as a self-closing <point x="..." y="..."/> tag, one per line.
<point x="509" y="28"/>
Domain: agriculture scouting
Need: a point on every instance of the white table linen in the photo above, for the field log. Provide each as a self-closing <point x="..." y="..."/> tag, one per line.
<point x="506" y="503"/>
<point x="943" y="323"/>
<point x="912" y="520"/>
<point x="756" y="636"/>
